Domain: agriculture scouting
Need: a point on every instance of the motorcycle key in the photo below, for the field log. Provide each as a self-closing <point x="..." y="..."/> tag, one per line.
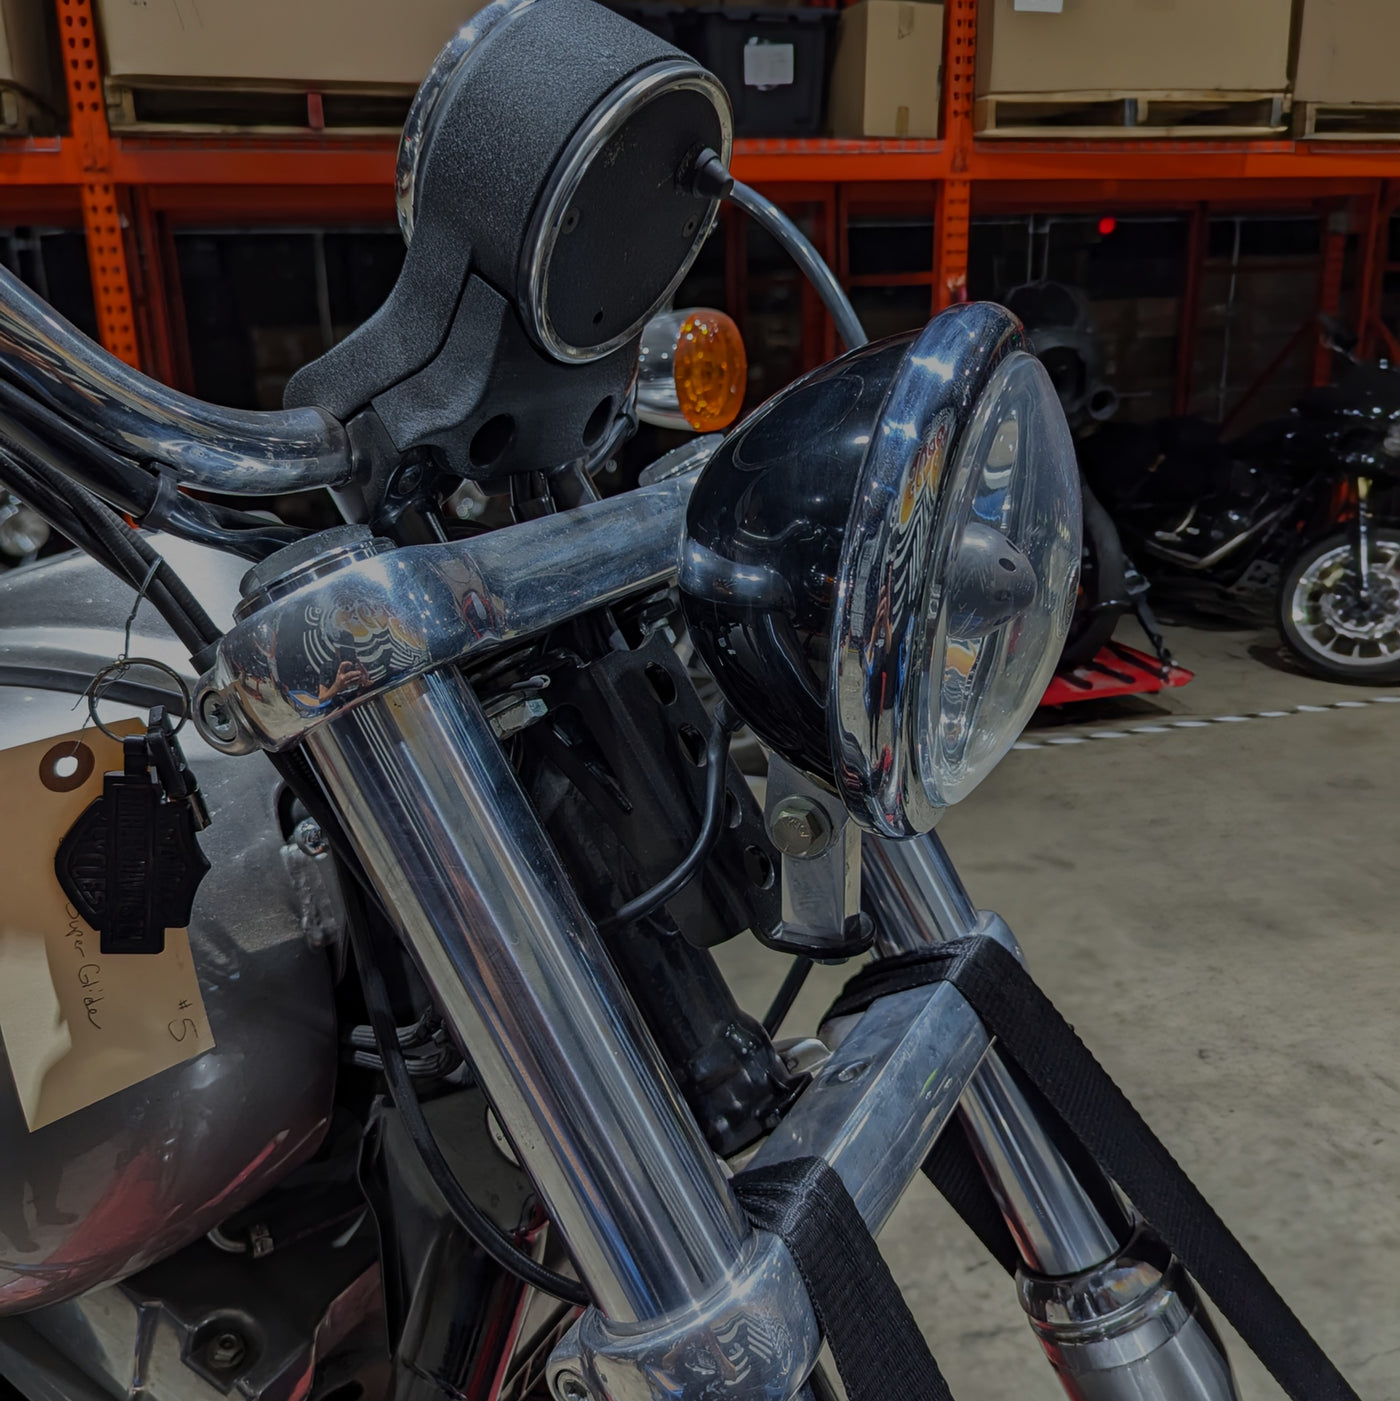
<point x="131" y="864"/>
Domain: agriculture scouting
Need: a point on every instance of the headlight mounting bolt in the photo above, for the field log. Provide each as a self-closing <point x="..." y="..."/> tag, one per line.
<point x="800" y="828"/>
<point x="224" y="1351"/>
<point x="570" y="1387"/>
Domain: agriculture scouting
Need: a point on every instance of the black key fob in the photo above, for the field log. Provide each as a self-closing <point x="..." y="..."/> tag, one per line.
<point x="131" y="864"/>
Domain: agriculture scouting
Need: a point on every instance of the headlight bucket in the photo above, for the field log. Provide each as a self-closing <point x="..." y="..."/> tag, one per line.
<point x="880" y="564"/>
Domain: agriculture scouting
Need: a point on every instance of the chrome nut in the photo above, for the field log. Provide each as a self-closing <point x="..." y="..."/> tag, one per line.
<point x="800" y="828"/>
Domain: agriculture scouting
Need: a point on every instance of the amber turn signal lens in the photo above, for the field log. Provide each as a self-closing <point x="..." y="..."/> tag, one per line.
<point x="692" y="370"/>
<point x="710" y="370"/>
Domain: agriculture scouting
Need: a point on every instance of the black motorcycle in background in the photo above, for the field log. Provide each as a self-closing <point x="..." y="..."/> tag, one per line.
<point x="1293" y="522"/>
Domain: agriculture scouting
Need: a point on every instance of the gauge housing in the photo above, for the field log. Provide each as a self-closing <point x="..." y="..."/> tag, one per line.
<point x="549" y="212"/>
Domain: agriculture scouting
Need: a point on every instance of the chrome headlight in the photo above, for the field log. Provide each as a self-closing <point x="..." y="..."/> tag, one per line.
<point x="881" y="563"/>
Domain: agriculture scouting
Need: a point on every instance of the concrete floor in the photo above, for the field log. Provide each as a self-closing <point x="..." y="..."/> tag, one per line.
<point x="1216" y="910"/>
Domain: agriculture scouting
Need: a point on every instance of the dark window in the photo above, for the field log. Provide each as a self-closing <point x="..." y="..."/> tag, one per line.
<point x="259" y="305"/>
<point x="54" y="263"/>
<point x="876" y="246"/>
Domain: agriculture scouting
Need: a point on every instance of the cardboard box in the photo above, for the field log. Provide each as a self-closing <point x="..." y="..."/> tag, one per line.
<point x="296" y="41"/>
<point x="1135" y="46"/>
<point x="886" y="77"/>
<point x="29" y="60"/>
<point x="1347" y="51"/>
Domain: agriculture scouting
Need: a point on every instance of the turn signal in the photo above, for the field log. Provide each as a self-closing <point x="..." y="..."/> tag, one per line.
<point x="692" y="370"/>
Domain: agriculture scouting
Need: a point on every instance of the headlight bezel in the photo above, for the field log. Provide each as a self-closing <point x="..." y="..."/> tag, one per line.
<point x="855" y="529"/>
<point x="874" y="707"/>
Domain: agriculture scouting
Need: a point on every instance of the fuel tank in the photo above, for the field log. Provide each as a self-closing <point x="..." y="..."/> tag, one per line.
<point x="117" y="1185"/>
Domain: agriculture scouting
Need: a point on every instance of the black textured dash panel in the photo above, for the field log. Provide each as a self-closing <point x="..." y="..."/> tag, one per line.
<point x="506" y="129"/>
<point x="501" y="127"/>
<point x="493" y="404"/>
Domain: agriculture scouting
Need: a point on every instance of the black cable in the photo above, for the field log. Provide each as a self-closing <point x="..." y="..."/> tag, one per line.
<point x="786" y="994"/>
<point x="118" y="480"/>
<point x="297" y="772"/>
<point x="493" y="1241"/>
<point x="56" y="509"/>
<point x="52" y="508"/>
<point x="125" y="551"/>
<point x="711" y="826"/>
<point x="710" y="178"/>
<point x="149" y="494"/>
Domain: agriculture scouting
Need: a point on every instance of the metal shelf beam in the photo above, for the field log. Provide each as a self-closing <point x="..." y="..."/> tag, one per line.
<point x="261" y="179"/>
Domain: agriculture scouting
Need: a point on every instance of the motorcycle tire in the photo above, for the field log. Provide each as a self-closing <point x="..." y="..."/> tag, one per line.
<point x="1320" y="619"/>
<point x="1103" y="586"/>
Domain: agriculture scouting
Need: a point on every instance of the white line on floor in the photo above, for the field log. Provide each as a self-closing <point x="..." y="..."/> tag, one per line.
<point x="1203" y="723"/>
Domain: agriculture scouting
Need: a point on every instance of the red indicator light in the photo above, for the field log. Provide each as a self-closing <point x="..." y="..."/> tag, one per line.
<point x="1107" y="225"/>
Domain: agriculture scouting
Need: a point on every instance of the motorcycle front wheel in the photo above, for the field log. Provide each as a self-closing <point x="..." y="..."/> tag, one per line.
<point x="1325" y="621"/>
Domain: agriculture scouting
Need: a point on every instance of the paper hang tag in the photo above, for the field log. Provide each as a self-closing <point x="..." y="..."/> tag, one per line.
<point x="767" y="65"/>
<point x="78" y="1025"/>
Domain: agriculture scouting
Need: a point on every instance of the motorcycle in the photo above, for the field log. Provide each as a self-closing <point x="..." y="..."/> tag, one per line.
<point x="362" y="1031"/>
<point x="1292" y="523"/>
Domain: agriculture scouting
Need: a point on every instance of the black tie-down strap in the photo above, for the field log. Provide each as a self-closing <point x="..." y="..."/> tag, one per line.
<point x="878" y="1348"/>
<point x="1037" y="1040"/>
<point x="953" y="1169"/>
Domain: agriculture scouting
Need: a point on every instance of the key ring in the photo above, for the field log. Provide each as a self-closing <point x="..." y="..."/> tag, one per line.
<point x="115" y="670"/>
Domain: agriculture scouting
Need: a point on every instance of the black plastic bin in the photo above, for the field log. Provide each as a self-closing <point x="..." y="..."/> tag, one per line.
<point x="774" y="62"/>
<point x="675" y="24"/>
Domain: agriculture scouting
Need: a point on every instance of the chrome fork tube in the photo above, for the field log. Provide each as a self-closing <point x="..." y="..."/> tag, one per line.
<point x="1117" y="1317"/>
<point x="916" y="897"/>
<point x="479" y="896"/>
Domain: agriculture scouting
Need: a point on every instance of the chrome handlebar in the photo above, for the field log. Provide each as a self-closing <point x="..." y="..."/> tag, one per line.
<point x="205" y="446"/>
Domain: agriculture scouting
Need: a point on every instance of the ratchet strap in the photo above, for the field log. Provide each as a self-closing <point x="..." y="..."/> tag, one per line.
<point x="1038" y="1041"/>
<point x="876" y="1344"/>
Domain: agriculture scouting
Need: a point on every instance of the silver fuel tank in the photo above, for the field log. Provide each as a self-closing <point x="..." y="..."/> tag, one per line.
<point x="107" y="1190"/>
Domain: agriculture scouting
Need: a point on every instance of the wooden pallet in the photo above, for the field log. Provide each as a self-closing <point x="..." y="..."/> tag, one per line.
<point x="1347" y="121"/>
<point x="199" y="106"/>
<point x="1093" y="115"/>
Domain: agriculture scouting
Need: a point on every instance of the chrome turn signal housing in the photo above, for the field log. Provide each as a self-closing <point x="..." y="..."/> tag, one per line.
<point x="692" y="370"/>
<point x="880" y="564"/>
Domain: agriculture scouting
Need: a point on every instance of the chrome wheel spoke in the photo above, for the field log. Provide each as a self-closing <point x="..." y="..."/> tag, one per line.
<point x="1328" y="614"/>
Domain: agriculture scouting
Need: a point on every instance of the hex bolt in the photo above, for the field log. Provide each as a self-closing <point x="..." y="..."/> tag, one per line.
<point x="309" y="837"/>
<point x="800" y="828"/>
<point x="216" y="718"/>
<point x="224" y="1351"/>
<point x="569" y="1386"/>
<point x="409" y="478"/>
